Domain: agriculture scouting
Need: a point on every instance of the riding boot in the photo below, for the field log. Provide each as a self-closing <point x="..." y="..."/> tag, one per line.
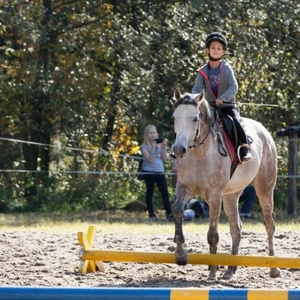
<point x="243" y="149"/>
<point x="245" y="155"/>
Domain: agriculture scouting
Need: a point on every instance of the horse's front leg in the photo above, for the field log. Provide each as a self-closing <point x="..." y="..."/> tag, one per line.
<point x="212" y="234"/>
<point x="180" y="252"/>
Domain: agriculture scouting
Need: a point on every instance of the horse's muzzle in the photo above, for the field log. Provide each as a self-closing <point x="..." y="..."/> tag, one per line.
<point x="179" y="151"/>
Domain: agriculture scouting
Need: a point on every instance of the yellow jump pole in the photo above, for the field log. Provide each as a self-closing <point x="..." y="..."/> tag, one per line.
<point x="86" y="241"/>
<point x="193" y="258"/>
<point x="91" y="259"/>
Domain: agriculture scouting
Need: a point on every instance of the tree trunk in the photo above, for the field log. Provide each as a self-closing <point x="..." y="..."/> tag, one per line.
<point x="40" y="128"/>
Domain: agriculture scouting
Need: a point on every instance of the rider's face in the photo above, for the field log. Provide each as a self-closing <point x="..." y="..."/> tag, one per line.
<point x="215" y="50"/>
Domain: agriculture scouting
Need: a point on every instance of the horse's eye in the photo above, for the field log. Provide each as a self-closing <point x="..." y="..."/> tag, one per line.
<point x="196" y="119"/>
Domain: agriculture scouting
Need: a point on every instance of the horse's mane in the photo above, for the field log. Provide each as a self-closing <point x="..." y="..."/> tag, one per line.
<point x="186" y="99"/>
<point x="205" y="111"/>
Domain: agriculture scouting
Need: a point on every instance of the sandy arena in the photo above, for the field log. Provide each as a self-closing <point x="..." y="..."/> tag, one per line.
<point x="51" y="259"/>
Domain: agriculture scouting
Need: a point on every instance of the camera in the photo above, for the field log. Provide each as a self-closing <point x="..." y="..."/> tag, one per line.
<point x="159" y="140"/>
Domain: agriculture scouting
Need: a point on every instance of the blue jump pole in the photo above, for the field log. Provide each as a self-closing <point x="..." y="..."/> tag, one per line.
<point x="86" y="293"/>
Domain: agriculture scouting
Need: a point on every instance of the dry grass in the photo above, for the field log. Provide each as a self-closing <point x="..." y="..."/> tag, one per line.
<point x="120" y="221"/>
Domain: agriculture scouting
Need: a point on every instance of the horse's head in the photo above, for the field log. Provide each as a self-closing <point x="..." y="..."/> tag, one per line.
<point x="190" y="110"/>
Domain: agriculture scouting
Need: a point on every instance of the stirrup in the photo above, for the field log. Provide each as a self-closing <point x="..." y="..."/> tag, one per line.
<point x="239" y="149"/>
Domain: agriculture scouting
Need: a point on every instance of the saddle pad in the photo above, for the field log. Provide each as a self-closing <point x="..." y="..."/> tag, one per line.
<point x="229" y="145"/>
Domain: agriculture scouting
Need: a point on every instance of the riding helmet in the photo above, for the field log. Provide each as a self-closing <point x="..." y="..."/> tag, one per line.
<point x="216" y="36"/>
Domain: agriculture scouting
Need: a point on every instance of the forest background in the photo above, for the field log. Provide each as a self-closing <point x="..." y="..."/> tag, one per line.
<point x="79" y="81"/>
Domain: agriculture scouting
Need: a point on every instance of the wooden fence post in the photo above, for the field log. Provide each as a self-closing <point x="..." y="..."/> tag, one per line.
<point x="293" y="134"/>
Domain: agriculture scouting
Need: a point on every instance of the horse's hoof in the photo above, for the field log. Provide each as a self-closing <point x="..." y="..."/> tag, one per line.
<point x="228" y="275"/>
<point x="212" y="277"/>
<point x="182" y="259"/>
<point x="274" y="272"/>
<point x="181" y="262"/>
<point x="213" y="273"/>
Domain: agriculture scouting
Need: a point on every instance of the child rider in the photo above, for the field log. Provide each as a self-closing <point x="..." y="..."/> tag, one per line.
<point x="220" y="85"/>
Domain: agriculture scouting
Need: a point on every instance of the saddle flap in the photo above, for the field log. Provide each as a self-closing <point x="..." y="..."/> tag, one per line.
<point x="230" y="127"/>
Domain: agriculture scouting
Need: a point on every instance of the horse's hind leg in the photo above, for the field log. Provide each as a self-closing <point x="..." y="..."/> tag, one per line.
<point x="230" y="204"/>
<point x="265" y="196"/>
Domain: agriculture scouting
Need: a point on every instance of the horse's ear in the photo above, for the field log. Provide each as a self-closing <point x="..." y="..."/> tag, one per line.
<point x="199" y="97"/>
<point x="177" y="95"/>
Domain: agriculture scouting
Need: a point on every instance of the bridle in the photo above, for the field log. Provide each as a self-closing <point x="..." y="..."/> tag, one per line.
<point x="197" y="134"/>
<point x="188" y="101"/>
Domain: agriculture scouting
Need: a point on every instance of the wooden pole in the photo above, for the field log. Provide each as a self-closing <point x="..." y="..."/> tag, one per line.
<point x="293" y="133"/>
<point x="292" y="170"/>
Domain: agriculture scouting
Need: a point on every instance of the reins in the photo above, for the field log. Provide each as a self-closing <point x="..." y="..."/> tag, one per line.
<point x="216" y="117"/>
<point x="195" y="145"/>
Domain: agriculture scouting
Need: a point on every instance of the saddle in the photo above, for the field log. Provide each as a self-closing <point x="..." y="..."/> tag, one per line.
<point x="229" y="130"/>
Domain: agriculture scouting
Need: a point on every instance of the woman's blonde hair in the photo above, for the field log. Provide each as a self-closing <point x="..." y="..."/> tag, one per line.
<point x="146" y="131"/>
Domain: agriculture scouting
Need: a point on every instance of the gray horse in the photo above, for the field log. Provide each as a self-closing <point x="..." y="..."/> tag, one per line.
<point x="201" y="169"/>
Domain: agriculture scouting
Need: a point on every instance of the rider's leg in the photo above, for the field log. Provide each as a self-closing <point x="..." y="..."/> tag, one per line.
<point x="244" y="154"/>
<point x="244" y="147"/>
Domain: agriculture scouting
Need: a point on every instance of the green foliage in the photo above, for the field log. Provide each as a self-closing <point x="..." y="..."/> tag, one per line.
<point x="90" y="75"/>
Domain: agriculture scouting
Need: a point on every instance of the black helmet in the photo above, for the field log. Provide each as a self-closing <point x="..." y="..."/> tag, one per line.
<point x="216" y="36"/>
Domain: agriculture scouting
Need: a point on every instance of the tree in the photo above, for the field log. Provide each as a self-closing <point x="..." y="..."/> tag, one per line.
<point x="90" y="75"/>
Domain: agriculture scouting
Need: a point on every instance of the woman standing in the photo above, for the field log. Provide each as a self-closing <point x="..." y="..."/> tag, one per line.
<point x="154" y="155"/>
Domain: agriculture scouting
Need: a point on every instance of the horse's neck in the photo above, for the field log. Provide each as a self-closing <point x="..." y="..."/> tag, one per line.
<point x="209" y="124"/>
<point x="206" y="137"/>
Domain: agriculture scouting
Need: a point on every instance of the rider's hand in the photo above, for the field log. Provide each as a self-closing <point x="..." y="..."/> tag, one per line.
<point x="219" y="102"/>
